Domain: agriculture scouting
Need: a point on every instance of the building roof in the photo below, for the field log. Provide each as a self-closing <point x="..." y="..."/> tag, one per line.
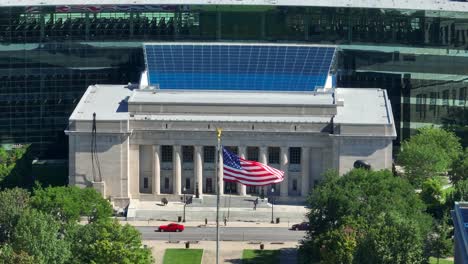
<point x="107" y="101"/>
<point x="437" y="5"/>
<point x="354" y="106"/>
<point x="230" y="97"/>
<point x="363" y="106"/>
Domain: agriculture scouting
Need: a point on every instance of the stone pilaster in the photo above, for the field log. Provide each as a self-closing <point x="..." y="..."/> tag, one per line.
<point x="284" y="166"/>
<point x="242" y="189"/>
<point x="156" y="169"/>
<point x="177" y="170"/>
<point x="305" y="170"/>
<point x="198" y="168"/>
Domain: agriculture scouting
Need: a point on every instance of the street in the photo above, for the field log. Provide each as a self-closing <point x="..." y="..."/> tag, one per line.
<point x="273" y="234"/>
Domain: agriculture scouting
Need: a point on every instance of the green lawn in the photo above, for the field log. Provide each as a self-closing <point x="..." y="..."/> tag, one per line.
<point x="183" y="256"/>
<point x="441" y="261"/>
<point x="250" y="256"/>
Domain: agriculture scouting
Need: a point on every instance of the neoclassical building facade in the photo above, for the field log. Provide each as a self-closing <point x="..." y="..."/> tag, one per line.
<point x="149" y="143"/>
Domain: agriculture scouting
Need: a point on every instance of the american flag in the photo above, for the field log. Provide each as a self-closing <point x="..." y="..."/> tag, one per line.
<point x="248" y="172"/>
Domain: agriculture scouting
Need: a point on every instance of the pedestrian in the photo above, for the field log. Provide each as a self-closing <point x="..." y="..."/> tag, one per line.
<point x="225" y="221"/>
<point x="255" y="204"/>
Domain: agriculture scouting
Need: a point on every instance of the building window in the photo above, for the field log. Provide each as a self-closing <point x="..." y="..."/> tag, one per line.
<point x="252" y="153"/>
<point x="209" y="154"/>
<point x="166" y="153"/>
<point x="295" y="185"/>
<point x="433" y="102"/>
<point x="462" y="96"/>
<point x="295" y="155"/>
<point x="166" y="183"/>
<point x="234" y="150"/>
<point x="145" y="183"/>
<point x="273" y="155"/>
<point x="187" y="153"/>
<point x="187" y="183"/>
<point x="445" y="98"/>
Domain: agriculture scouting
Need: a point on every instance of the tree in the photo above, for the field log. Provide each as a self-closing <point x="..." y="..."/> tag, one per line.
<point x="372" y="199"/>
<point x="460" y="168"/>
<point x="106" y="241"/>
<point x="431" y="151"/>
<point x="432" y="195"/>
<point x="9" y="256"/>
<point x="15" y="165"/>
<point x="439" y="240"/>
<point x="69" y="203"/>
<point x="39" y="235"/>
<point x="13" y="202"/>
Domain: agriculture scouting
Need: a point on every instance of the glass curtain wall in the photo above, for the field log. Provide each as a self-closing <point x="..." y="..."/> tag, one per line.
<point x="49" y="55"/>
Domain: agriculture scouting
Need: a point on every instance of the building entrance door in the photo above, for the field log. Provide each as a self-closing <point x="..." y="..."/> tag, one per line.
<point x="209" y="185"/>
<point x="230" y="187"/>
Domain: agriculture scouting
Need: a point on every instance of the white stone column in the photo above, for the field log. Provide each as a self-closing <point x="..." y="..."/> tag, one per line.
<point x="305" y="170"/>
<point x="241" y="188"/>
<point x="284" y="166"/>
<point x="134" y="171"/>
<point x="262" y="158"/>
<point x="220" y="172"/>
<point x="177" y="170"/>
<point x="156" y="169"/>
<point x="198" y="169"/>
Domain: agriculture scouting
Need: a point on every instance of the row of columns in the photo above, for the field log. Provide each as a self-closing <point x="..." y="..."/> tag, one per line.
<point x="198" y="169"/>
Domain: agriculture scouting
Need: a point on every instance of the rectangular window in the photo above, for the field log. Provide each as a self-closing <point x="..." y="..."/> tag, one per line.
<point x="462" y="96"/>
<point x="252" y="153"/>
<point x="295" y="155"/>
<point x="209" y="154"/>
<point x="233" y="150"/>
<point x="445" y="98"/>
<point x="166" y="153"/>
<point x="145" y="183"/>
<point x="274" y="155"/>
<point x="187" y="183"/>
<point x="187" y="153"/>
<point x="166" y="183"/>
<point x="295" y="185"/>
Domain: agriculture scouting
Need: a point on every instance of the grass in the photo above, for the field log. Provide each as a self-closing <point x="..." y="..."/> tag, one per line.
<point x="183" y="256"/>
<point x="441" y="261"/>
<point x="250" y="256"/>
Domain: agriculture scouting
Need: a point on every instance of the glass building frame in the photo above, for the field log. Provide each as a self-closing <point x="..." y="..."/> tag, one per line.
<point x="50" y="54"/>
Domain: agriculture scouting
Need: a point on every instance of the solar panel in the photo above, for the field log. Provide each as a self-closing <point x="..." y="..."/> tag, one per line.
<point x="238" y="67"/>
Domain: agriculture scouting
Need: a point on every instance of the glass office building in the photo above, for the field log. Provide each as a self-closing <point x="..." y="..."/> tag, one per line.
<point x="49" y="54"/>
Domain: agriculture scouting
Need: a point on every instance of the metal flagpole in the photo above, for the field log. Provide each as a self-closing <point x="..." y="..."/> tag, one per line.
<point x="218" y="188"/>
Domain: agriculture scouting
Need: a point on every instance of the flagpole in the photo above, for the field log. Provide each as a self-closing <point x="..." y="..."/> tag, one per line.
<point x="218" y="187"/>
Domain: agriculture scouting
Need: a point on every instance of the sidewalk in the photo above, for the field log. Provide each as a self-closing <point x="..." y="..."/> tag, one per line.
<point x="210" y="223"/>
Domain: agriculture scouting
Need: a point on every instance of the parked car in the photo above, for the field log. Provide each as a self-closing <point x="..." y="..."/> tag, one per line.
<point x="171" y="228"/>
<point x="301" y="226"/>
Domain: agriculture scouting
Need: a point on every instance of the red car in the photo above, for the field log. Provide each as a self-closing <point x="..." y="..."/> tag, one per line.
<point x="171" y="228"/>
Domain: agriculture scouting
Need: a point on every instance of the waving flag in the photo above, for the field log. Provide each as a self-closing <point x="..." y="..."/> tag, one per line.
<point x="248" y="172"/>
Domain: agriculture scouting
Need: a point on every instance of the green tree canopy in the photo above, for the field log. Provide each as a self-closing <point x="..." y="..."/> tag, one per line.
<point x="69" y="203"/>
<point x="39" y="235"/>
<point x="13" y="202"/>
<point x="460" y="168"/>
<point x="366" y="202"/>
<point x="106" y="241"/>
<point x="15" y="165"/>
<point x="431" y="151"/>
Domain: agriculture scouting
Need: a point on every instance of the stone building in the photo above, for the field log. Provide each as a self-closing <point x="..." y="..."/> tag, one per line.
<point x="154" y="143"/>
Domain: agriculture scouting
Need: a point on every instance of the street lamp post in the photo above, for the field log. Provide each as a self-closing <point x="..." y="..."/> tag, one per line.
<point x="272" y="200"/>
<point x="185" y="204"/>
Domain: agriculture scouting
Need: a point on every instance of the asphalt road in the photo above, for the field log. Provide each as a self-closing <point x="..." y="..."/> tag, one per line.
<point x="273" y="234"/>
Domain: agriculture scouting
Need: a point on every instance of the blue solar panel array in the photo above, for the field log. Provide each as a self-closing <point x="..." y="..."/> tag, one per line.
<point x="238" y="67"/>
